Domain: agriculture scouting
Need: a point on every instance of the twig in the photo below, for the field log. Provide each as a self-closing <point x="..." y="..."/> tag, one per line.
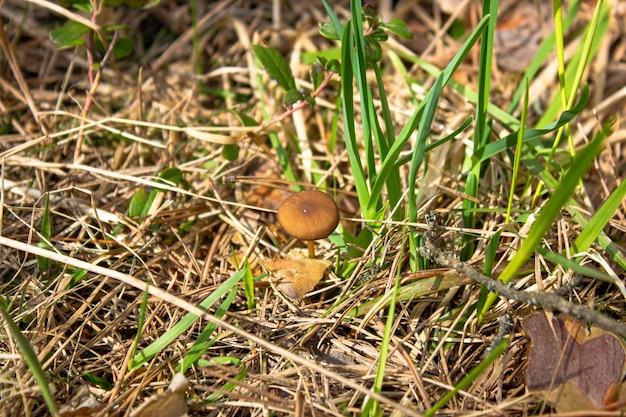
<point x="546" y="300"/>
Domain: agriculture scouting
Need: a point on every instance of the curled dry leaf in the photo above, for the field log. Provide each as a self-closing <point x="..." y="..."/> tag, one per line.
<point x="171" y="403"/>
<point x="575" y="368"/>
<point x="296" y="274"/>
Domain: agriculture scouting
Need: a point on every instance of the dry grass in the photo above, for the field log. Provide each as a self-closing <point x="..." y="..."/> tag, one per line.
<point x="90" y="145"/>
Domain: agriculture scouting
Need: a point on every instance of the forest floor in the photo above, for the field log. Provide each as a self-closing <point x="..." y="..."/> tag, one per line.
<point x="145" y="153"/>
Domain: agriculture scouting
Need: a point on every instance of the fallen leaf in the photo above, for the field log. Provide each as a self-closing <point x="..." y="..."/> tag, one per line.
<point x="519" y="33"/>
<point x="576" y="370"/>
<point x="171" y="403"/>
<point x="295" y="275"/>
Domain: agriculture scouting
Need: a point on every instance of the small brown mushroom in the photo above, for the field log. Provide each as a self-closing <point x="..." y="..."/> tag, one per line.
<point x="308" y="216"/>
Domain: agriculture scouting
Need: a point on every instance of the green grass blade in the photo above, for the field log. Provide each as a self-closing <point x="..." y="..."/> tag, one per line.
<point x="518" y="155"/>
<point x="576" y="267"/>
<point x="557" y="8"/>
<point x="594" y="227"/>
<point x="333" y="18"/>
<point x="482" y="128"/>
<point x="372" y="406"/>
<point x="393" y="182"/>
<point x="548" y="213"/>
<point x="423" y="131"/>
<point x="568" y="86"/>
<point x="347" y="106"/>
<point x="471" y="377"/>
<point x="142" y="320"/>
<point x="30" y="358"/>
<point x="359" y="68"/>
<point x="578" y="63"/>
<point x="248" y="285"/>
<point x="185" y="323"/>
<point x="456" y="132"/>
<point x="532" y="137"/>
<point x="229" y="386"/>
<point x="202" y="343"/>
<point x="490" y="261"/>
<point x="281" y="153"/>
<point x="412" y="123"/>
<point x="414" y="290"/>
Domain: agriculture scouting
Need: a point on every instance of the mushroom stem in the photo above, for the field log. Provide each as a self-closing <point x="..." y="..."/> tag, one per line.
<point x="311" y="246"/>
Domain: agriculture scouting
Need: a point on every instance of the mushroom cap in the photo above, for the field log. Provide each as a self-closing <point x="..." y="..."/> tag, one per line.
<point x="308" y="215"/>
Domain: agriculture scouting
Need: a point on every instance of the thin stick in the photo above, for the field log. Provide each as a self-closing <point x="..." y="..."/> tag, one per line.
<point x="546" y="300"/>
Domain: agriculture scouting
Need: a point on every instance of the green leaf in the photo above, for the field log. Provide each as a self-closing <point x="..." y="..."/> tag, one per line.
<point x="76" y="278"/>
<point x="292" y="97"/>
<point x="276" y="66"/>
<point x="69" y="35"/>
<point x="98" y="381"/>
<point x="137" y="204"/>
<point x="245" y="119"/>
<point x="378" y="35"/>
<point x="373" y="50"/>
<point x="230" y="152"/>
<point x="398" y="28"/>
<point x="318" y="73"/>
<point x="171" y="176"/>
<point x="334" y="65"/>
<point x="123" y="47"/>
<point x="329" y="31"/>
<point x="369" y="12"/>
<point x="83" y="5"/>
<point x="142" y="200"/>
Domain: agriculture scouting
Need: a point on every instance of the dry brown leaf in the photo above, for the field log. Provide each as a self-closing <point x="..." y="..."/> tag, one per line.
<point x="519" y="33"/>
<point x="577" y="370"/>
<point x="171" y="403"/>
<point x="296" y="274"/>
